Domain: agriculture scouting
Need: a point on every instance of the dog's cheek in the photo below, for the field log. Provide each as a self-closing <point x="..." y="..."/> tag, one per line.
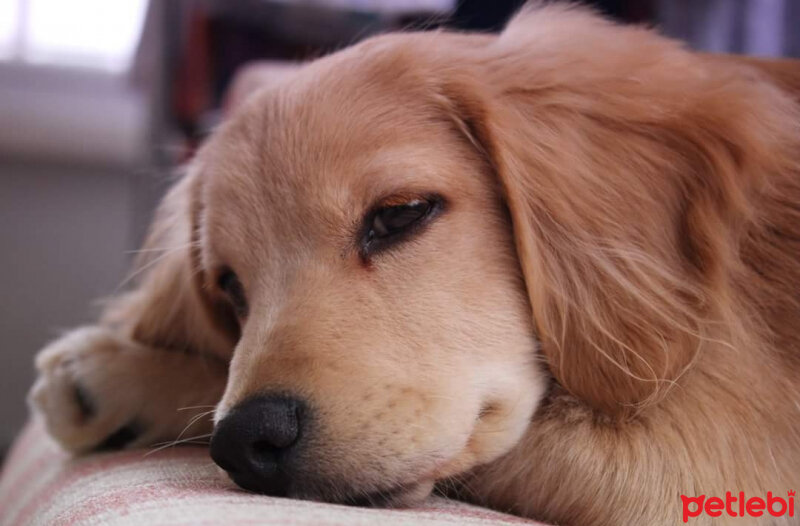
<point x="504" y="418"/>
<point x="408" y="422"/>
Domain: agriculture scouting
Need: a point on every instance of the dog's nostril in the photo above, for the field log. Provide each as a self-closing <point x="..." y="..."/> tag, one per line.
<point x="263" y="447"/>
<point x="254" y="440"/>
<point x="265" y="452"/>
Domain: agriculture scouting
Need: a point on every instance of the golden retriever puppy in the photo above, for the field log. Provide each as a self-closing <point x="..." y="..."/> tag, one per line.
<point x="555" y="270"/>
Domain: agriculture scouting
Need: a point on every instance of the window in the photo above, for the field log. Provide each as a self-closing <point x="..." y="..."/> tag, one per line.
<point x="98" y="34"/>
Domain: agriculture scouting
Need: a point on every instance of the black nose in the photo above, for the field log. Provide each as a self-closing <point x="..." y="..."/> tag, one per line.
<point x="253" y="441"/>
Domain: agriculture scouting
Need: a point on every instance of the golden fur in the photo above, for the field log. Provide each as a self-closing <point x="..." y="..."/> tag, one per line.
<point x="605" y="316"/>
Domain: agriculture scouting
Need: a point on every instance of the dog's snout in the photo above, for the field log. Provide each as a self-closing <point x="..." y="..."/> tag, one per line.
<point x="253" y="441"/>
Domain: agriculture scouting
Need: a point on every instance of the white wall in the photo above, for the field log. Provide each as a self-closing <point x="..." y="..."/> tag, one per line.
<point x="68" y="218"/>
<point x="65" y="234"/>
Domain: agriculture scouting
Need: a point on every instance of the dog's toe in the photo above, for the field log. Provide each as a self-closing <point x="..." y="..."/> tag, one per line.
<point x="80" y="395"/>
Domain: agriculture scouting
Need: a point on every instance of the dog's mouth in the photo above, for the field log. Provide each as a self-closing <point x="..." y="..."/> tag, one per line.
<point x="310" y="469"/>
<point x="404" y="495"/>
<point x="400" y="496"/>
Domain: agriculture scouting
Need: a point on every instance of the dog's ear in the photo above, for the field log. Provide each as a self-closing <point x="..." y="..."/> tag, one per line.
<point x="784" y="72"/>
<point x="627" y="166"/>
<point x="169" y="305"/>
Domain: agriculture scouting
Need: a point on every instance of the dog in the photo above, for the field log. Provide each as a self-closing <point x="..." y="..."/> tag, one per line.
<point x="552" y="271"/>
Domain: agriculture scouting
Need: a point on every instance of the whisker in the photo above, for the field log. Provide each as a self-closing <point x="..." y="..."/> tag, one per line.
<point x="176" y="442"/>
<point x="172" y="442"/>
<point x="149" y="264"/>
<point x="193" y="421"/>
<point x="158" y="249"/>
<point x="190" y="440"/>
<point x="195" y="407"/>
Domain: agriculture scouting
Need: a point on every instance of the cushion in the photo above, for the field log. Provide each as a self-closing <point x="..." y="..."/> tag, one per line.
<point x="42" y="485"/>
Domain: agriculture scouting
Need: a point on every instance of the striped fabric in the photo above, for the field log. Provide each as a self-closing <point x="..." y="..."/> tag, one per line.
<point x="41" y="485"/>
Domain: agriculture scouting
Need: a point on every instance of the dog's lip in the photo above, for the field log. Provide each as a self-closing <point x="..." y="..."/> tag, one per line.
<point x="398" y="496"/>
<point x="403" y="495"/>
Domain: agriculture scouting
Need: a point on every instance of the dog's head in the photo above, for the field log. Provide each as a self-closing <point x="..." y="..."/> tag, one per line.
<point x="389" y="235"/>
<point x="362" y="241"/>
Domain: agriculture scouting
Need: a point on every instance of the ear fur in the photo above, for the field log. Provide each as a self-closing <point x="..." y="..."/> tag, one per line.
<point x="629" y="167"/>
<point x="784" y="72"/>
<point x="169" y="306"/>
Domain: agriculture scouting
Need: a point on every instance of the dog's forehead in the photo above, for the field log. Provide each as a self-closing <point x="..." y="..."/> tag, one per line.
<point x="324" y="145"/>
<point x="315" y="129"/>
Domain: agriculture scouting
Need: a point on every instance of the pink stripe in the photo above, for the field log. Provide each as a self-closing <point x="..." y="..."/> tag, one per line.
<point x="21" y="445"/>
<point x="240" y="522"/>
<point x="42" y="466"/>
<point x="122" y="502"/>
<point x="16" y="453"/>
<point x="445" y="512"/>
<point x="41" y="461"/>
<point x="87" y="466"/>
<point x="477" y="513"/>
<point x="29" y="436"/>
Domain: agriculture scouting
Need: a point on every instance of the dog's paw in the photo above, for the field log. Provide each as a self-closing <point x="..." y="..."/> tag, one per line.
<point x="99" y="390"/>
<point x="86" y="391"/>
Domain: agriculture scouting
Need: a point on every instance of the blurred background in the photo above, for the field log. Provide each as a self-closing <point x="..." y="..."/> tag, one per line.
<point x="101" y="99"/>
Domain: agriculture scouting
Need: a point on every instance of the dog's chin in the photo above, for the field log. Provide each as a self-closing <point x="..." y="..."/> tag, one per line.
<point x="402" y="496"/>
<point x="398" y="496"/>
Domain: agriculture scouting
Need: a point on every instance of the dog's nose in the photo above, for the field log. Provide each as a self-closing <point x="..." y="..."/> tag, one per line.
<point x="253" y="441"/>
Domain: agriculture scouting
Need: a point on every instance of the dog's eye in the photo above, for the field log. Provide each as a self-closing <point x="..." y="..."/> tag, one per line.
<point x="229" y="283"/>
<point x="391" y="223"/>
